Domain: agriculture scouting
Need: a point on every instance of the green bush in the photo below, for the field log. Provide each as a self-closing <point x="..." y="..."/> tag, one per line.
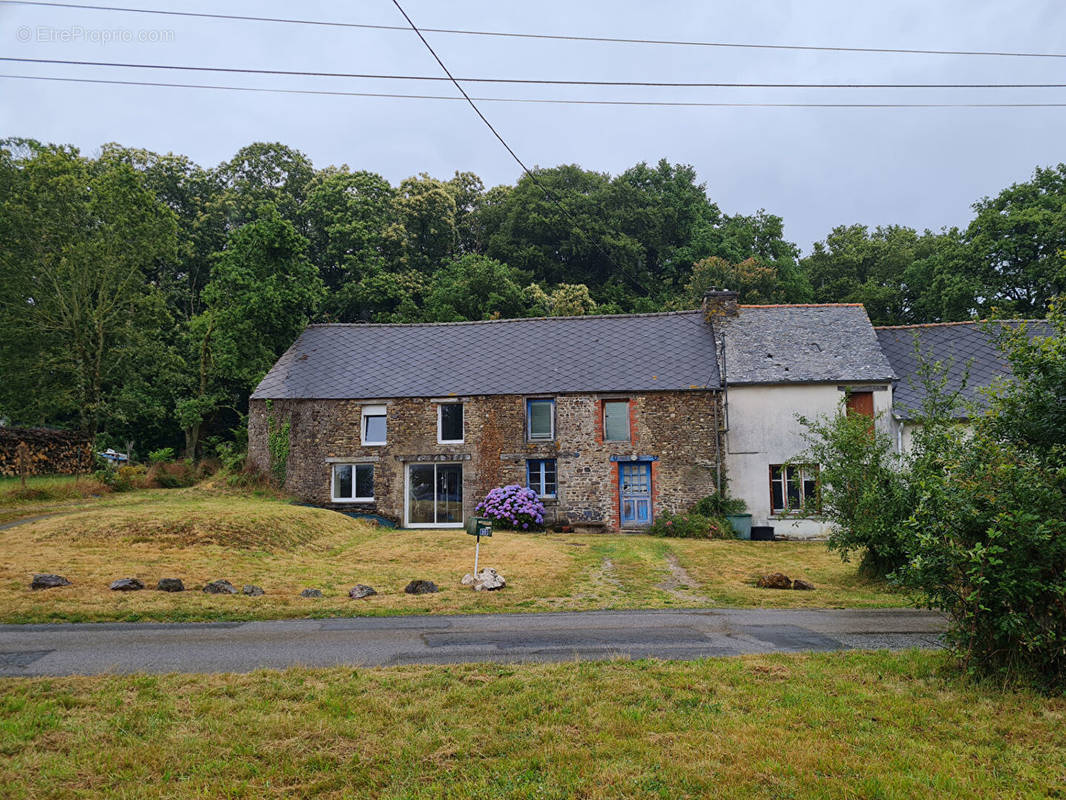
<point x="692" y="525"/>
<point x="161" y="456"/>
<point x="720" y="504"/>
<point x="864" y="490"/>
<point x="989" y="549"/>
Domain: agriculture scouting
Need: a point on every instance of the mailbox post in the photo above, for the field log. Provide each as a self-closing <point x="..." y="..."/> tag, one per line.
<point x="478" y="527"/>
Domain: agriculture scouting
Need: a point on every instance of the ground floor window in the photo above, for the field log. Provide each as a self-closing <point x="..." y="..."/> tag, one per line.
<point x="794" y="489"/>
<point x="540" y="476"/>
<point x="434" y="495"/>
<point x="353" y="483"/>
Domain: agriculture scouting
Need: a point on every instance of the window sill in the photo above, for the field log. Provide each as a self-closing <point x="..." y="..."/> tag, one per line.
<point x="797" y="517"/>
<point x="352" y="500"/>
<point x="451" y="441"/>
<point x="374" y="444"/>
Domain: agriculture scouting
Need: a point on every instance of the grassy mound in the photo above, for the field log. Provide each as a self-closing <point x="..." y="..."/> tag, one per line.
<point x="198" y="520"/>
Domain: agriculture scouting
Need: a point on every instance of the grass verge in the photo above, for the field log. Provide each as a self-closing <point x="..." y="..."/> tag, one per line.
<point x="203" y="534"/>
<point x="833" y="725"/>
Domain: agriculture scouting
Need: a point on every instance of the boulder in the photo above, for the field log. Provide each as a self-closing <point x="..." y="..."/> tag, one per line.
<point x="47" y="580"/>
<point x="489" y="580"/>
<point x="126" y="585"/>
<point x="421" y="587"/>
<point x="252" y="591"/>
<point x="468" y="580"/>
<point x="311" y="593"/>
<point x="361" y="590"/>
<point x="220" y="587"/>
<point x="170" y="585"/>
<point x="802" y="585"/>
<point x="774" y="580"/>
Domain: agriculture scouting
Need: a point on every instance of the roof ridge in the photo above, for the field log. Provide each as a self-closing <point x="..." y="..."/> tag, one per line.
<point x="945" y="324"/>
<point x="801" y="305"/>
<point x="495" y="321"/>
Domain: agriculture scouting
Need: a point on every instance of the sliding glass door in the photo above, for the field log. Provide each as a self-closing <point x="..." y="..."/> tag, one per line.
<point x="434" y="495"/>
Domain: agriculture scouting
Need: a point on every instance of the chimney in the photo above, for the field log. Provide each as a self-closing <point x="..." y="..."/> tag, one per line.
<point x="719" y="303"/>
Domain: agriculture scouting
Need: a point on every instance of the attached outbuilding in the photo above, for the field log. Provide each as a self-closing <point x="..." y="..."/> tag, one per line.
<point x="779" y="363"/>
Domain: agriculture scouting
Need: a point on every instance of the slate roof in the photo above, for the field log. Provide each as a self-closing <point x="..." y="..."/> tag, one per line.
<point x="802" y="344"/>
<point x="960" y="347"/>
<point x="634" y="352"/>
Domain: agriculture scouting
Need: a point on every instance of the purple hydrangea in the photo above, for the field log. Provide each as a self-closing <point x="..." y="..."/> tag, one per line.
<point x="513" y="507"/>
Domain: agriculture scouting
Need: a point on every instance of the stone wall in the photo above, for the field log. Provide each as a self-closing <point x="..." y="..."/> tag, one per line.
<point x="680" y="430"/>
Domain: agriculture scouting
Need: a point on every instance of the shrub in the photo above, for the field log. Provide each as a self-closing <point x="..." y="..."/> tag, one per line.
<point x="513" y="507"/>
<point x="989" y="549"/>
<point x="173" y="475"/>
<point x="720" y="504"/>
<point x="692" y="525"/>
<point x="864" y="490"/>
<point x="161" y="456"/>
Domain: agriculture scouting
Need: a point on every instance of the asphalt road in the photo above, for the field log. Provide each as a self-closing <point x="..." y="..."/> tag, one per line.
<point x="382" y="641"/>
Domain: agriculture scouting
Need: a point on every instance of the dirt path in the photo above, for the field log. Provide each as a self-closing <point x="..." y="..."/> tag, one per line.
<point x="680" y="583"/>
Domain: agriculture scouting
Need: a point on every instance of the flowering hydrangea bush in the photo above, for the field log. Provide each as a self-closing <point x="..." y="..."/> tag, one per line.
<point x="514" y="507"/>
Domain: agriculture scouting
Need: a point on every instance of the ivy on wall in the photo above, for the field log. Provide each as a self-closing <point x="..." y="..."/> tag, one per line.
<point x="278" y="443"/>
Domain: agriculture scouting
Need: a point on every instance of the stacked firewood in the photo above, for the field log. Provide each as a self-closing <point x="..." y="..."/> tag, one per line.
<point x="44" y="451"/>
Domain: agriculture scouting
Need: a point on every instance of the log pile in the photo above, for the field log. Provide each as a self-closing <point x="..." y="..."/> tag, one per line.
<point x="44" y="451"/>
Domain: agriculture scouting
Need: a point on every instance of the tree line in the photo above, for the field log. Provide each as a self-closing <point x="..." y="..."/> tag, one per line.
<point x="143" y="296"/>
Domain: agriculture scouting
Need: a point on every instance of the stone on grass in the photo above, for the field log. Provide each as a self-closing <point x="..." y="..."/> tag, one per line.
<point x="421" y="587"/>
<point x="774" y="580"/>
<point x="170" y="585"/>
<point x="47" y="580"/>
<point x="311" y="593"/>
<point x="252" y="591"/>
<point x="126" y="585"/>
<point x="802" y="585"/>
<point x="489" y="580"/>
<point x="468" y="580"/>
<point x="361" y="590"/>
<point x="220" y="587"/>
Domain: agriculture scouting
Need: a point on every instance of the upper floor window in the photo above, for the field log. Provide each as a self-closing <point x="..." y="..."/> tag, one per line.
<point x="794" y="489"/>
<point x="540" y="418"/>
<point x="449" y="423"/>
<point x="616" y="420"/>
<point x="374" y="425"/>
<point x="353" y="483"/>
<point x="541" y="476"/>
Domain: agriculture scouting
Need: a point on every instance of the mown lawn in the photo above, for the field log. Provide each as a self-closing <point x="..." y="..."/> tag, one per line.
<point x="203" y="534"/>
<point x="831" y="725"/>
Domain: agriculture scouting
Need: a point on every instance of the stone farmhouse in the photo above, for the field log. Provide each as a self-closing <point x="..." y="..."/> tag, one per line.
<point x="611" y="419"/>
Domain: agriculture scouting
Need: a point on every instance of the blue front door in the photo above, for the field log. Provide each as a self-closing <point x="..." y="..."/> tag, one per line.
<point x="634" y="480"/>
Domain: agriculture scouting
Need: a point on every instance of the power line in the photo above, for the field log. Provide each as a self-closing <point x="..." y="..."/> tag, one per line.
<point x="537" y="81"/>
<point x="556" y="37"/>
<point x="534" y="100"/>
<point x="547" y="193"/>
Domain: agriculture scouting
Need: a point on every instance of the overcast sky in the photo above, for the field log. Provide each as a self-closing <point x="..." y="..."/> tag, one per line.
<point x="817" y="168"/>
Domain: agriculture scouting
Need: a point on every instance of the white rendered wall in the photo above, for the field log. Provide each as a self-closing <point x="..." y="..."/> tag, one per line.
<point x="763" y="430"/>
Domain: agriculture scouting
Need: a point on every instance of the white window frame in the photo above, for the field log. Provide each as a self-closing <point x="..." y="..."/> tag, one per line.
<point x="440" y="424"/>
<point x="806" y="509"/>
<point x="407" y="494"/>
<point x="355" y="482"/>
<point x="529" y="419"/>
<point x="373" y="411"/>
<point x="541" y="471"/>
